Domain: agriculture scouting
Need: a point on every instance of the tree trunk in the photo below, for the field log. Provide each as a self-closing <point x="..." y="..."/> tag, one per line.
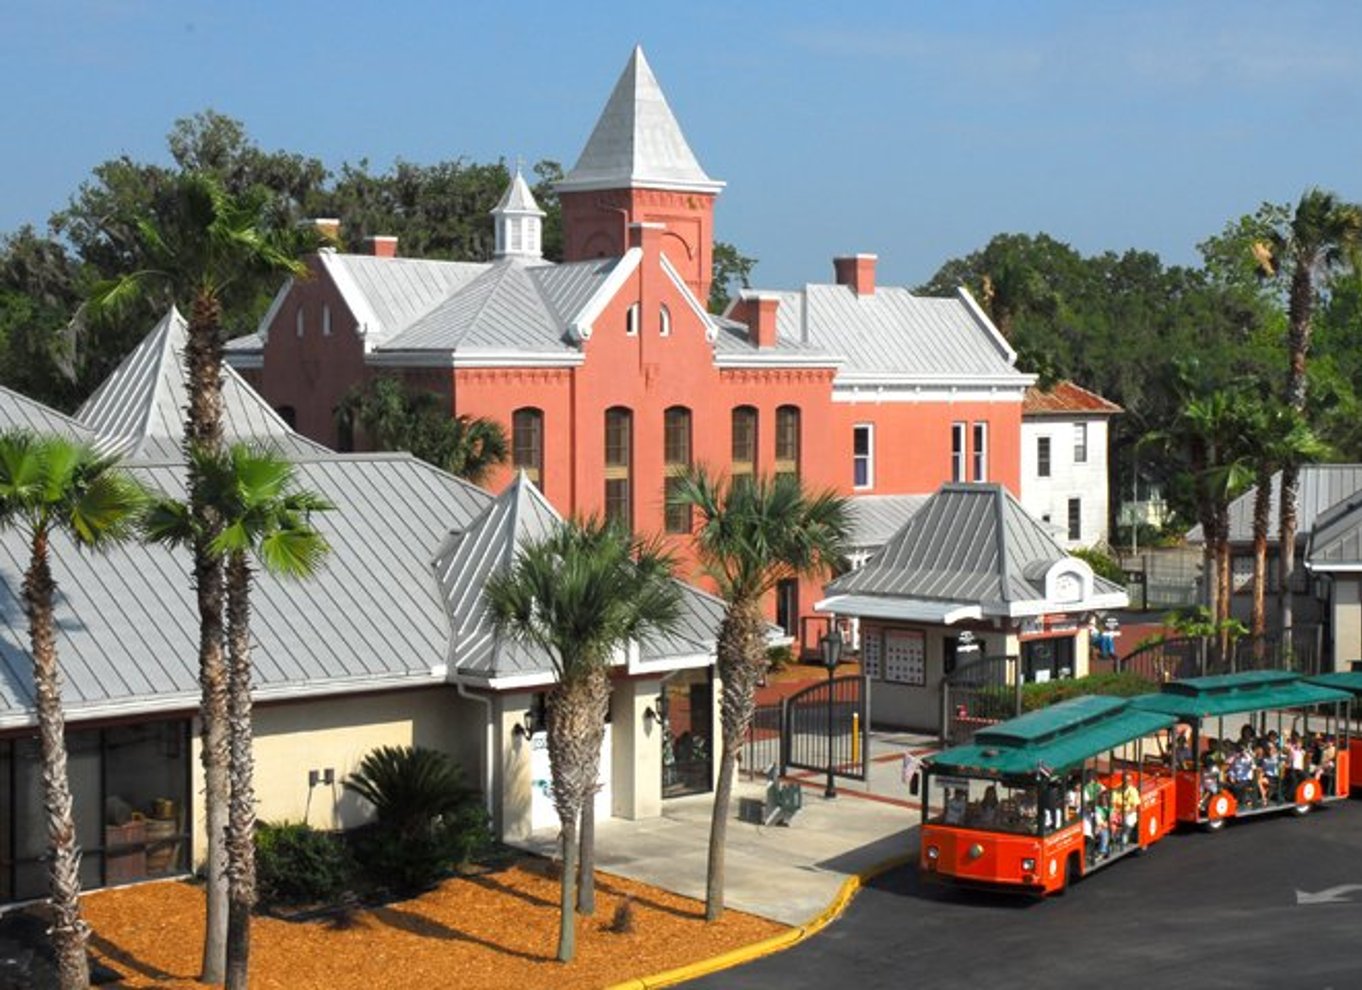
<point x="69" y="930"/>
<point x="1286" y="547"/>
<point x="599" y="684"/>
<point x="1262" y="509"/>
<point x="241" y="893"/>
<point x="567" y="918"/>
<point x="203" y="431"/>
<point x="741" y="661"/>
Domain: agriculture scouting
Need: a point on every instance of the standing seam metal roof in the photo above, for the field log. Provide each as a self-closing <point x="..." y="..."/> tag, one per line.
<point x="1322" y="486"/>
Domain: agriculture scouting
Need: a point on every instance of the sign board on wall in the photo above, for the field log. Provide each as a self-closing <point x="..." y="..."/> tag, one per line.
<point x="542" y="813"/>
<point x="905" y="657"/>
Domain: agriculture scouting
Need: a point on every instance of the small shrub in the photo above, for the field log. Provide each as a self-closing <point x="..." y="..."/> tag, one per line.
<point x="623" y="921"/>
<point x="297" y="864"/>
<point x="1102" y="563"/>
<point x="778" y="658"/>
<point x="1121" y="685"/>
<point x="428" y="820"/>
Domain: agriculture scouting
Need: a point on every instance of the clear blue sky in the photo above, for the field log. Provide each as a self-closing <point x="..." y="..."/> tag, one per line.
<point x="916" y="131"/>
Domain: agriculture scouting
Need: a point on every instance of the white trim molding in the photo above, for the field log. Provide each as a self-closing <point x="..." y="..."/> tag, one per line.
<point x="581" y="325"/>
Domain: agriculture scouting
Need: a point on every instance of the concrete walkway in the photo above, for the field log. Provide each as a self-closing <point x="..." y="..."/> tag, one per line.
<point x="788" y="874"/>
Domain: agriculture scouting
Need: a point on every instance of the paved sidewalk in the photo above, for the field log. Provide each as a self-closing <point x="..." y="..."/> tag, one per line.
<point x="788" y="874"/>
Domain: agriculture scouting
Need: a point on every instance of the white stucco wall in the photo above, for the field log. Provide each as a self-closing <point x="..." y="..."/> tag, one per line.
<point x="1043" y="497"/>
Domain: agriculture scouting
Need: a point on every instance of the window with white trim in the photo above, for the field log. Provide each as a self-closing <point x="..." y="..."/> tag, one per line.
<point x="631" y="320"/>
<point x="863" y="455"/>
<point x="1075" y="519"/>
<point x="1042" y="457"/>
<point x="1080" y="443"/>
<point x="957" y="452"/>
<point x="664" y="321"/>
<point x="980" y="452"/>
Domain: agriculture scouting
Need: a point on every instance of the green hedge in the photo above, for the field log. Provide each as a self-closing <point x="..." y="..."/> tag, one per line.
<point x="1122" y="685"/>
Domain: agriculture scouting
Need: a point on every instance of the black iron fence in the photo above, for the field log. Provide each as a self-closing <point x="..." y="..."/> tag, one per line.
<point x="977" y="693"/>
<point x="761" y="745"/>
<point x="1301" y="650"/>
<point x="825" y="724"/>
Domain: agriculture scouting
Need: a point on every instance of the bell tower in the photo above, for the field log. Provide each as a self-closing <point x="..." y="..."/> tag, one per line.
<point x="637" y="168"/>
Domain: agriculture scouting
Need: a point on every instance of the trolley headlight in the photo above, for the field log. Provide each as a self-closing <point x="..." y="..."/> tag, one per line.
<point x="933" y="853"/>
<point x="1028" y="865"/>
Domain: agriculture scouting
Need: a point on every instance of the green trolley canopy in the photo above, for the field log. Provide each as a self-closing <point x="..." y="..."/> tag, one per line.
<point x="1052" y="739"/>
<point x="1343" y="680"/>
<point x="1226" y="694"/>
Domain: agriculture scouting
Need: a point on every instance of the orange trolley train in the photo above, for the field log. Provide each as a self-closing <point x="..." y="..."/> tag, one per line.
<point x="1034" y="803"/>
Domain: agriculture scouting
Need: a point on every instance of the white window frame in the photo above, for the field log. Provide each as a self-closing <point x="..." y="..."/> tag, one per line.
<point x="631" y="321"/>
<point x="959" y="451"/>
<point x="1071" y="517"/>
<point x="1080" y="443"/>
<point x="869" y="456"/>
<point x="1049" y="460"/>
<point x="979" y="452"/>
<point x="664" y="321"/>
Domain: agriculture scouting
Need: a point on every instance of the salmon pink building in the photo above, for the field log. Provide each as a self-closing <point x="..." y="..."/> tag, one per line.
<point x="610" y="376"/>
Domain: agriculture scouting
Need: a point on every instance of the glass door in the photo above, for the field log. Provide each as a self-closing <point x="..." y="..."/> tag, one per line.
<point x="686" y="709"/>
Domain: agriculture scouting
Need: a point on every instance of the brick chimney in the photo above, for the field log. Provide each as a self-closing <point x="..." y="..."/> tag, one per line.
<point x="328" y="228"/>
<point x="760" y="309"/>
<point x="857" y="271"/>
<point x="381" y="246"/>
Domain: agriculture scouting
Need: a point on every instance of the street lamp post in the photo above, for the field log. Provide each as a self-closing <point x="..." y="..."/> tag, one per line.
<point x="831" y="645"/>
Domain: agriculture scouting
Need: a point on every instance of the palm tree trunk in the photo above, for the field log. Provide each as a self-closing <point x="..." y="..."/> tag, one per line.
<point x="586" y="882"/>
<point x="203" y="430"/>
<point x="1286" y="547"/>
<point x="567" y="919"/>
<point x="69" y="930"/>
<point x="1262" y="509"/>
<point x="241" y="893"/>
<point x="741" y="660"/>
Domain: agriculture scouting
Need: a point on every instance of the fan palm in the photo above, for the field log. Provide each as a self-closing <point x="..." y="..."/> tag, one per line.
<point x="264" y="516"/>
<point x="752" y="534"/>
<point x="1322" y="236"/>
<point x="50" y="485"/>
<point x="581" y="594"/>
<point x="207" y="242"/>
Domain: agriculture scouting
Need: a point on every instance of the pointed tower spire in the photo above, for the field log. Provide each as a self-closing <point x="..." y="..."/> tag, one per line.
<point x="637" y="168"/>
<point x="519" y="221"/>
<point x="637" y="142"/>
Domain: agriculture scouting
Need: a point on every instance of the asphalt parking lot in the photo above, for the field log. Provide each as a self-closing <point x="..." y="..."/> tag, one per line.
<point x="1272" y="901"/>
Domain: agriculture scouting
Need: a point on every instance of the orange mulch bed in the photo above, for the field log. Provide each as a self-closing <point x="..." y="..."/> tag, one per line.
<point x="494" y="930"/>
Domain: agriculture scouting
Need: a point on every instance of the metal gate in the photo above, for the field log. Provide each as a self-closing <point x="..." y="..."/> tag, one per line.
<point x="827" y="724"/>
<point x="1168" y="660"/>
<point x="979" y="693"/>
<point x="762" y="742"/>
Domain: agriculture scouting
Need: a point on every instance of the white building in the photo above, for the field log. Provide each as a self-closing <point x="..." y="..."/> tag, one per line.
<point x="1064" y="452"/>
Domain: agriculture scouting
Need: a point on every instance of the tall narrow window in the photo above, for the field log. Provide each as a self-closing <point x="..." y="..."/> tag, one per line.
<point x="326" y="320"/>
<point x="863" y="455"/>
<point x="1075" y="519"/>
<point x="980" y="452"/>
<point x="299" y="322"/>
<point x="527" y="444"/>
<point x="787" y="606"/>
<point x="664" y="321"/>
<point x="1042" y="457"/>
<point x="787" y="442"/>
<point x="619" y="457"/>
<point x="676" y="444"/>
<point x="631" y="320"/>
<point x="1080" y="443"/>
<point x="957" y="452"/>
<point x="744" y="442"/>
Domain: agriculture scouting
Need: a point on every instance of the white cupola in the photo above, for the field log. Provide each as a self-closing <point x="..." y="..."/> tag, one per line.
<point x="519" y="222"/>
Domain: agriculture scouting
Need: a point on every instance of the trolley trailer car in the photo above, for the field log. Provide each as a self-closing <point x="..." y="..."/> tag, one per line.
<point x="1350" y="681"/>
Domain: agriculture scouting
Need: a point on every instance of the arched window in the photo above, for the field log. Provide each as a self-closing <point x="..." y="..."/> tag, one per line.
<point x="744" y="441"/>
<point x="298" y="321"/>
<point x="664" y="321"/>
<point x="676" y="455"/>
<point x="787" y="442"/>
<point x="631" y="320"/>
<point x="527" y="444"/>
<point x="619" y="462"/>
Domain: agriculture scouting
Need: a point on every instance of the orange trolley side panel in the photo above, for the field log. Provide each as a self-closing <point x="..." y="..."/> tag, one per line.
<point x="1188" y="796"/>
<point x="1158" y="810"/>
<point x="1350" y="764"/>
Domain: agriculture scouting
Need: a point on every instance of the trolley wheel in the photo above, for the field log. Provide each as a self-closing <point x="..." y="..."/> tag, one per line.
<point x="1302" y="809"/>
<point x="1071" y="874"/>
<point x="1307" y="793"/>
<point x="1214" y="825"/>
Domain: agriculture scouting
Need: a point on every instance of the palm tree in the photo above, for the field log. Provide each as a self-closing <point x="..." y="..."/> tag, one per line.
<point x="50" y="485"/>
<point x="1323" y="236"/>
<point x="209" y="242"/>
<point x="753" y="533"/>
<point x="419" y="422"/>
<point x="265" y="515"/>
<point x="1279" y="436"/>
<point x="581" y="594"/>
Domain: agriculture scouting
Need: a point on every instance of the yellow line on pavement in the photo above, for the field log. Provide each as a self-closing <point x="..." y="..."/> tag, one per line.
<point x="767" y="946"/>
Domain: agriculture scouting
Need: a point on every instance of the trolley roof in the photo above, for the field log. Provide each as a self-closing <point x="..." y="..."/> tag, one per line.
<point x="1343" y="680"/>
<point x="1225" y="694"/>
<point x="1052" y="739"/>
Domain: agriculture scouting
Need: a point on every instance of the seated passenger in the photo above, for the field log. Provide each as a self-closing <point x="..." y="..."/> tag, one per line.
<point x="988" y="808"/>
<point x="1295" y="762"/>
<point x="1182" y="751"/>
<point x="1270" y="767"/>
<point x="1328" y="753"/>
<point x="1239" y="776"/>
<point x="1210" y="779"/>
<point x="1129" y="800"/>
<point x="955" y="807"/>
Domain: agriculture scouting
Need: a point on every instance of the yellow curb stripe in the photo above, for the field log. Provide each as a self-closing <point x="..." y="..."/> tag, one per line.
<point x="768" y="946"/>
